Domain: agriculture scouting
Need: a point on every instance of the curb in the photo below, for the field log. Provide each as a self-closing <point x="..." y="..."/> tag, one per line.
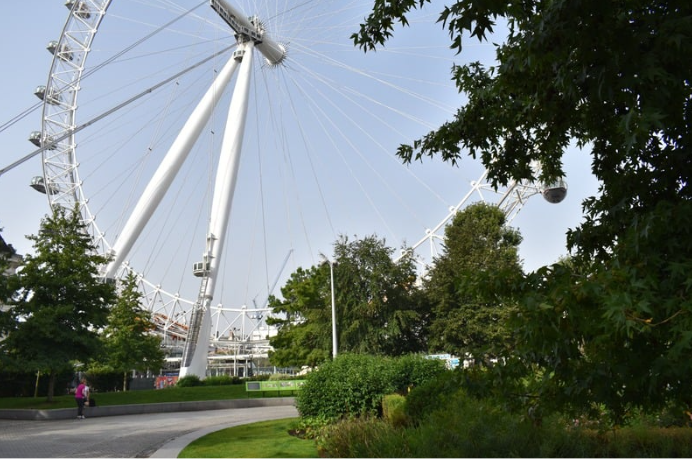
<point x="168" y="407"/>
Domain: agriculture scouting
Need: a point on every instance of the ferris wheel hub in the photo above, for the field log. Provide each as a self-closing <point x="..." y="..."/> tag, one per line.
<point x="250" y="29"/>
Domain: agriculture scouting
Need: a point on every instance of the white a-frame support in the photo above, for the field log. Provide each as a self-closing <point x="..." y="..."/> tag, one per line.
<point x="169" y="167"/>
<point x="249" y="33"/>
<point x="197" y="343"/>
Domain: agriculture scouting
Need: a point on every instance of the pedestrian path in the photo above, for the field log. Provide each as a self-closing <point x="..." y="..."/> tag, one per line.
<point x="153" y="434"/>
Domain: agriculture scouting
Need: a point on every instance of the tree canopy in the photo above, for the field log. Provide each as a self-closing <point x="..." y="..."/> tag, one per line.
<point x="302" y="319"/>
<point x="60" y="303"/>
<point x="379" y="308"/>
<point x="470" y="319"/>
<point x="6" y="288"/>
<point x="382" y="311"/>
<point x="612" y="78"/>
<point x="129" y="341"/>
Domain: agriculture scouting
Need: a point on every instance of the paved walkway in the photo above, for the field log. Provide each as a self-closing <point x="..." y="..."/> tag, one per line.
<point x="141" y="435"/>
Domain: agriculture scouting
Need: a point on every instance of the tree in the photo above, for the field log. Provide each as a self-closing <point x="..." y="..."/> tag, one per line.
<point x="378" y="306"/>
<point x="304" y="331"/>
<point x="470" y="318"/>
<point x="7" y="291"/>
<point x="614" y="79"/>
<point x="61" y="303"/>
<point x="613" y="333"/>
<point x="128" y="339"/>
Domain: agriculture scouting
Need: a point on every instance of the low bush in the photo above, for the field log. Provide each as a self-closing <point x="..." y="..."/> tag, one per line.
<point x="221" y="380"/>
<point x="351" y="385"/>
<point x="313" y="427"/>
<point x="464" y="427"/>
<point x="189" y="381"/>
<point x="643" y="441"/>
<point x="363" y="437"/>
<point x="432" y="395"/>
<point x="412" y="370"/>
<point x="480" y="428"/>
<point x="470" y="427"/>
<point x="354" y="384"/>
<point x="393" y="410"/>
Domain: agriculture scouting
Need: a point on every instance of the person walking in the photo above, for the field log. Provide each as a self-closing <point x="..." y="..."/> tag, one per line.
<point x="80" y="396"/>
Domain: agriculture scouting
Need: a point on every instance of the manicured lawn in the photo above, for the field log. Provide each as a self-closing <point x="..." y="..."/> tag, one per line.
<point x="261" y="439"/>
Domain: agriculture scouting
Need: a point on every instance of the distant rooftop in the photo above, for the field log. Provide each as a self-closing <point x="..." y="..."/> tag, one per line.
<point x="6" y="248"/>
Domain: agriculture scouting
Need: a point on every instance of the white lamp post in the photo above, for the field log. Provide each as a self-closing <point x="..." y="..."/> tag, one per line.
<point x="331" y="274"/>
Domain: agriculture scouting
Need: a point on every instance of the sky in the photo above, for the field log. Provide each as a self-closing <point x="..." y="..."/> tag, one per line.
<point x="318" y="156"/>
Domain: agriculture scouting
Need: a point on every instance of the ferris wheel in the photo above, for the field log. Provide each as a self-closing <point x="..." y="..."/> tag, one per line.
<point x="143" y="129"/>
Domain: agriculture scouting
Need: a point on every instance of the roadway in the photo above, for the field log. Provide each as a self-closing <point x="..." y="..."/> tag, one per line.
<point x="138" y="435"/>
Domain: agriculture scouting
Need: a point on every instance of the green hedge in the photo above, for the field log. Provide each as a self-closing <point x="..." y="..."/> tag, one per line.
<point x="354" y="384"/>
<point x="189" y="381"/>
<point x="432" y="395"/>
<point x="222" y="380"/>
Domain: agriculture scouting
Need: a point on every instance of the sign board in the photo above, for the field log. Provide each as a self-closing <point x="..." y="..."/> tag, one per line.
<point x="279" y="385"/>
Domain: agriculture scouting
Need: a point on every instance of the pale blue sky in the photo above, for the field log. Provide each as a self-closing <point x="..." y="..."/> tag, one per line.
<point x="342" y="112"/>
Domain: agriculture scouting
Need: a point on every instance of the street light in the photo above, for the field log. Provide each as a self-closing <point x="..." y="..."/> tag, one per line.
<point x="331" y="273"/>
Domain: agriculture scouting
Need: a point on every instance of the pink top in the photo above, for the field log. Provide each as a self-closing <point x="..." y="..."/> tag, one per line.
<point x="79" y="392"/>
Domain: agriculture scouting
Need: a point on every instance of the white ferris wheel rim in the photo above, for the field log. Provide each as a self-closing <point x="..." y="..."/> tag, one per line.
<point x="60" y="166"/>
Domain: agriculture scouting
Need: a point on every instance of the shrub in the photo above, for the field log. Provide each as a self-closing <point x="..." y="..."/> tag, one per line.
<point x="221" y="380"/>
<point x="432" y="395"/>
<point x="479" y="427"/>
<point x="364" y="437"/>
<point x="669" y="416"/>
<point x="464" y="427"/>
<point x="641" y="441"/>
<point x="313" y="427"/>
<point x="351" y="385"/>
<point x="189" y="381"/>
<point x="354" y="384"/>
<point x="483" y="428"/>
<point x="413" y="370"/>
<point x="393" y="410"/>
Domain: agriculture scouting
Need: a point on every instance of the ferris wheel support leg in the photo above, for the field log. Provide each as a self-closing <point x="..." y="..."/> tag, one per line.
<point x="226" y="177"/>
<point x="169" y="168"/>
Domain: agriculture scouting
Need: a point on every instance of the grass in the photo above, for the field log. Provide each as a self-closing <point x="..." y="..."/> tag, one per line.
<point x="172" y="394"/>
<point x="260" y="439"/>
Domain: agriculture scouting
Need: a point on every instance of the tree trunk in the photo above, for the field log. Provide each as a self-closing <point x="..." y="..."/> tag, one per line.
<point x="125" y="381"/>
<point x="38" y="377"/>
<point x="51" y="385"/>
